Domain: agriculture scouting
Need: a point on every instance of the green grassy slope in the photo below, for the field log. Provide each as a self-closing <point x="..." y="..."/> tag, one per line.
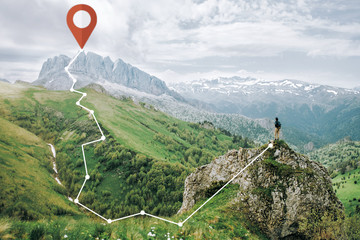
<point x="347" y="187"/>
<point x="132" y="125"/>
<point x="342" y="159"/>
<point x="27" y="188"/>
<point x="217" y="220"/>
<point x="142" y="164"/>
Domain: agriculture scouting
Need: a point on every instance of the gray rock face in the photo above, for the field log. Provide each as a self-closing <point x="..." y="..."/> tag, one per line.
<point x="92" y="68"/>
<point x="53" y="76"/>
<point x="280" y="193"/>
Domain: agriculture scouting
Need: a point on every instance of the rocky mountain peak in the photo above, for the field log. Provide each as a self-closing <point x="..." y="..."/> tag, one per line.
<point x="280" y="193"/>
<point x="54" y="65"/>
<point x="92" y="68"/>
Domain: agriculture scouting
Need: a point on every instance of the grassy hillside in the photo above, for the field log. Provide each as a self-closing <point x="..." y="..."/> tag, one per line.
<point x="142" y="164"/>
<point x="347" y="187"/>
<point x="27" y="189"/>
<point x="208" y="223"/>
<point x="342" y="160"/>
<point x="219" y="219"/>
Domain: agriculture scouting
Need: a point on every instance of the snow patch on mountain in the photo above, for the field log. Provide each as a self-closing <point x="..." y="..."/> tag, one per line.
<point x="248" y="86"/>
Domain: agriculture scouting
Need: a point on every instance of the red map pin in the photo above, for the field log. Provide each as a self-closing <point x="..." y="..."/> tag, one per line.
<point x="81" y="34"/>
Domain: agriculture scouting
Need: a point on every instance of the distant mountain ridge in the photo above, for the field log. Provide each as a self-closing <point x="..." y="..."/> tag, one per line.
<point x="218" y="92"/>
<point x="92" y="68"/>
<point x="326" y="112"/>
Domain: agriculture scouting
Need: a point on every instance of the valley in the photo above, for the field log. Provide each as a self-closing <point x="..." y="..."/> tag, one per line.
<point x="147" y="154"/>
<point x="142" y="165"/>
<point x="145" y="159"/>
<point x="145" y="150"/>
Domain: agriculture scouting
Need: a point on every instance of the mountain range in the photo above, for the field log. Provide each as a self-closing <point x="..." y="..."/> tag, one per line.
<point x="312" y="115"/>
<point x="238" y="95"/>
<point x="328" y="113"/>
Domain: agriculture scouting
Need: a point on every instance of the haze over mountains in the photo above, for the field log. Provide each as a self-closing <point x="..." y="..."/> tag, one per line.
<point x="312" y="114"/>
<point x="330" y="113"/>
<point x="237" y="95"/>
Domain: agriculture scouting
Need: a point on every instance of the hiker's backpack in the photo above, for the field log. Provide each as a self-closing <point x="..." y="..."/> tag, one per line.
<point x="277" y="124"/>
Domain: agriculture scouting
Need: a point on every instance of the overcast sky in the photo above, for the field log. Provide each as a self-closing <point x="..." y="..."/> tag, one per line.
<point x="177" y="40"/>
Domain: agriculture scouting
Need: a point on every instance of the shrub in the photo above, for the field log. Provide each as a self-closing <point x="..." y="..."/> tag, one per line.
<point x="353" y="227"/>
<point x="37" y="232"/>
<point x="215" y="186"/>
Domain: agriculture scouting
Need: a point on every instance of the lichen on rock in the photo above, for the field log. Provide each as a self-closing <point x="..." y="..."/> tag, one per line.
<point x="283" y="193"/>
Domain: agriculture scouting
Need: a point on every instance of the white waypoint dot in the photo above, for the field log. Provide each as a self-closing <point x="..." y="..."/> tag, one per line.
<point x="271" y="145"/>
<point x="142" y="212"/>
<point x="87" y="177"/>
<point x="109" y="221"/>
<point x="92" y="111"/>
<point x="78" y="103"/>
<point x="84" y="94"/>
<point x="76" y="201"/>
<point x="82" y="19"/>
<point x="103" y="138"/>
<point x="71" y="89"/>
<point x="180" y="224"/>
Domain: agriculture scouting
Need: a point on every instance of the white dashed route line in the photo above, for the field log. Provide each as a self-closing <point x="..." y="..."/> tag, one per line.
<point x="87" y="176"/>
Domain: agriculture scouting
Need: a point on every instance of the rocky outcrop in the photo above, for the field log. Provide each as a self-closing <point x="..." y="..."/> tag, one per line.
<point x="283" y="193"/>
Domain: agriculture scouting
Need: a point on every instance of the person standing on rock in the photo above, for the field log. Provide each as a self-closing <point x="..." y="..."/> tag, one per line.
<point x="277" y="128"/>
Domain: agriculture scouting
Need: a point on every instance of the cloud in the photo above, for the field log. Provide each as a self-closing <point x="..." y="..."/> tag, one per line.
<point x="223" y="28"/>
<point x="168" y="32"/>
